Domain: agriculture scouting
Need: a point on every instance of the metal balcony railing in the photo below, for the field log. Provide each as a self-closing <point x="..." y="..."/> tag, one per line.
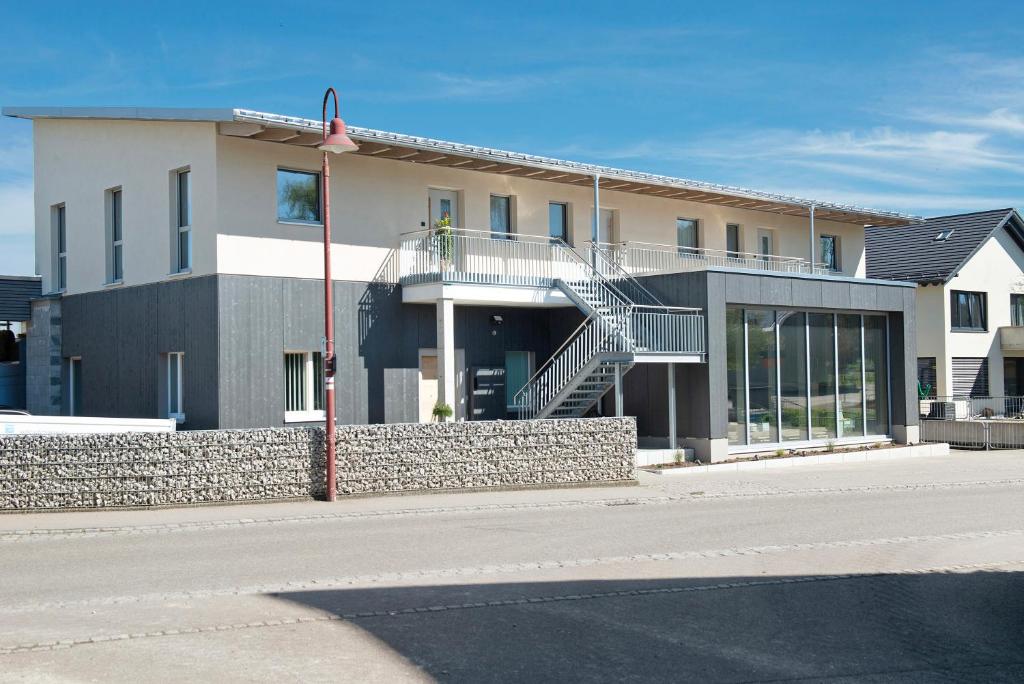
<point x="646" y="258"/>
<point x="482" y="257"/>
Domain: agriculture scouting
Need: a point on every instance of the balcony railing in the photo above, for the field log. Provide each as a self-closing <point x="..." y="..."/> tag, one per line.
<point x="646" y="258"/>
<point x="483" y="258"/>
<point x="491" y="258"/>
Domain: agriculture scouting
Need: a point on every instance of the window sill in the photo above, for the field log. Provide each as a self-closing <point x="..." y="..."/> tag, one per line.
<point x="304" y="416"/>
<point x="314" y="224"/>
<point x="968" y="330"/>
<point x="181" y="273"/>
<point x="114" y="283"/>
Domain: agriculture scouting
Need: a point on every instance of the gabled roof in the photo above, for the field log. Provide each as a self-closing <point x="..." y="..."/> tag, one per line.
<point x="934" y="251"/>
<point x="414" y="149"/>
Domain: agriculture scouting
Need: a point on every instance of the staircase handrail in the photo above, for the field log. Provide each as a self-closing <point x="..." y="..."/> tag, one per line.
<point x="622" y="273"/>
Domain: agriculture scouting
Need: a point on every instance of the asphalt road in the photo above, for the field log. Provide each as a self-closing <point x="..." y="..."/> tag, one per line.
<point x="907" y="570"/>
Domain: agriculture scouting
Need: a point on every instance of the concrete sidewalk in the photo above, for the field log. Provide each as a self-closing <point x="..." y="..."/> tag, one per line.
<point x="958" y="466"/>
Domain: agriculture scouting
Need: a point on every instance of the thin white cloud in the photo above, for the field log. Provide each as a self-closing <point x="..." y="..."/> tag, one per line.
<point x="1001" y="120"/>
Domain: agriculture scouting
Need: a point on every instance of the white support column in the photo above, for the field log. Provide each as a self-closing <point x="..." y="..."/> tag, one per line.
<point x="619" y="408"/>
<point x="672" y="437"/>
<point x="446" y="353"/>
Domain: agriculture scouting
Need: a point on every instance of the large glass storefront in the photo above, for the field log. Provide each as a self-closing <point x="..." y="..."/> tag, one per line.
<point x="796" y="376"/>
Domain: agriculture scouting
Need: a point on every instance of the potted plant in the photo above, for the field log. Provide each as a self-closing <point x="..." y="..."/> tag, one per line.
<point x="443" y="241"/>
<point x="442" y="411"/>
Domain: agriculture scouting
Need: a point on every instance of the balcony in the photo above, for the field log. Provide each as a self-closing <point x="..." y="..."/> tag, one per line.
<point x="1011" y="338"/>
<point x="644" y="258"/>
<point x="474" y="258"/>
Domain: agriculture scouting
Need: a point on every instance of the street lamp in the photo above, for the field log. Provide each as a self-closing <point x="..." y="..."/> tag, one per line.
<point x="337" y="142"/>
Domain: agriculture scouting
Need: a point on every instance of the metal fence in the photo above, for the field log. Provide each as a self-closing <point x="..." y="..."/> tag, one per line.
<point x="973" y="422"/>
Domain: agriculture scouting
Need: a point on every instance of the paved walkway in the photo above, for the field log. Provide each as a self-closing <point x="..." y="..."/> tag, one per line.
<point x="908" y="569"/>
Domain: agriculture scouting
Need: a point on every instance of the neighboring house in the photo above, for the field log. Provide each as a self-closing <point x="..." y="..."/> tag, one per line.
<point x="969" y="270"/>
<point x="15" y="311"/>
<point x="182" y="251"/>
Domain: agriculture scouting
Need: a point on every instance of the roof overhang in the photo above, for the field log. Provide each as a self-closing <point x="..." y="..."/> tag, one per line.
<point x="255" y="125"/>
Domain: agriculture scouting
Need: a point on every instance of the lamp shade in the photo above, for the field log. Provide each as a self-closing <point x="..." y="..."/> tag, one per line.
<point x="338" y="141"/>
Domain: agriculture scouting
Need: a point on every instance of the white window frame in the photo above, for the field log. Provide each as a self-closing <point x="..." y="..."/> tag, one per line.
<point x="309" y="414"/>
<point x="176" y="412"/>
<point x="60" y="235"/>
<point x="115" y="246"/>
<point x="182" y="227"/>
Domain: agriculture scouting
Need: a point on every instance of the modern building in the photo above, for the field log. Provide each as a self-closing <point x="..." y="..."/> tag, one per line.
<point x="182" y="250"/>
<point x="969" y="271"/>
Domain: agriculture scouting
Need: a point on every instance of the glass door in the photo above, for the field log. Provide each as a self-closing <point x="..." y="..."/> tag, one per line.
<point x="444" y="203"/>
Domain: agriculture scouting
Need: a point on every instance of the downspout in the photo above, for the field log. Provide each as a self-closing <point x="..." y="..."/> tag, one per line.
<point x="812" y="241"/>
<point x="594" y="231"/>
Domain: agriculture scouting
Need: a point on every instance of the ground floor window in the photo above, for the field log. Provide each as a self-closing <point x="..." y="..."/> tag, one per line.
<point x="75" y="386"/>
<point x="797" y="376"/>
<point x="173" y="381"/>
<point x="304" y="386"/>
<point x="927" y="382"/>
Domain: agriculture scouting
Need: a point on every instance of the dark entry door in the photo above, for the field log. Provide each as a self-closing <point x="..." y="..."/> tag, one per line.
<point x="487" y="393"/>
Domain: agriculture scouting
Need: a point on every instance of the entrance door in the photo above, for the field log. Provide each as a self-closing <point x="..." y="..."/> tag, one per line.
<point x="766" y="243"/>
<point x="444" y="202"/>
<point x="429" y="389"/>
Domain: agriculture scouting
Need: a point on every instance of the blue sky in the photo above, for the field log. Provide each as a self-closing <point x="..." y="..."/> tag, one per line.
<point x="912" y="106"/>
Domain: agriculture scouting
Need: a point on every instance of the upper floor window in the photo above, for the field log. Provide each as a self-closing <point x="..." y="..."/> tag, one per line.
<point x="967" y="310"/>
<point x="732" y="239"/>
<point x="686" y="234"/>
<point x="60" y="247"/>
<point x="115" y="236"/>
<point x="298" y="196"/>
<point x="1017" y="309"/>
<point x="829" y="251"/>
<point x="183" y="220"/>
<point x="501" y="217"/>
<point x="558" y="221"/>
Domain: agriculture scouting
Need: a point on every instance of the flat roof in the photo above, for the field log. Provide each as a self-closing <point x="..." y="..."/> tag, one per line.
<point x="292" y="130"/>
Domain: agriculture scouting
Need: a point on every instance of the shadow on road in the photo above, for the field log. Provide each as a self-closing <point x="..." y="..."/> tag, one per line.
<point x="918" y="627"/>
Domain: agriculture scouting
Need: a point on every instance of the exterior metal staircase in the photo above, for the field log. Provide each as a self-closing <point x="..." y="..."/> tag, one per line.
<point x="623" y="319"/>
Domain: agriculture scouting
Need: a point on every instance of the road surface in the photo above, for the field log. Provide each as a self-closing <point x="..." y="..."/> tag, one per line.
<point x="881" y="571"/>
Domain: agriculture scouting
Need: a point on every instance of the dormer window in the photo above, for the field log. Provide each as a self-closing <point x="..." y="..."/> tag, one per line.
<point x="944" y="235"/>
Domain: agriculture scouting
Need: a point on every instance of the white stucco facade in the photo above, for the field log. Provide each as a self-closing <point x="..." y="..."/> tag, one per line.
<point x="374" y="201"/>
<point x="997" y="270"/>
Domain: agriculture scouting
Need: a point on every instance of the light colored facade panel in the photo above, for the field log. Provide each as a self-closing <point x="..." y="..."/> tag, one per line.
<point x="77" y="161"/>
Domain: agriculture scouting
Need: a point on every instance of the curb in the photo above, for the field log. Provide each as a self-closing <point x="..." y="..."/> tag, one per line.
<point x="914" y="451"/>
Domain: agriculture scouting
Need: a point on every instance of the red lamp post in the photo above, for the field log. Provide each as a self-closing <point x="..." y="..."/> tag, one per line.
<point x="337" y="142"/>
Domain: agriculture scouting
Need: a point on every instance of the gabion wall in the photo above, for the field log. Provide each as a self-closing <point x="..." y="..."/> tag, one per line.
<point x="155" y="469"/>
